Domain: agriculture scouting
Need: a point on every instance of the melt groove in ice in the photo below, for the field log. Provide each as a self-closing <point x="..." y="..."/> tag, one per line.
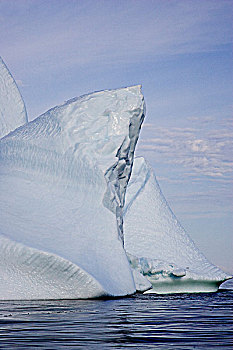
<point x="66" y="230"/>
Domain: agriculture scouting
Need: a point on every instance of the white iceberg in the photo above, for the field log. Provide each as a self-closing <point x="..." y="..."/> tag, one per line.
<point x="157" y="245"/>
<point x="63" y="179"/>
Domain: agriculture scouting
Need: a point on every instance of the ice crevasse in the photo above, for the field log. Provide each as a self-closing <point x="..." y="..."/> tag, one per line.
<point x="79" y="216"/>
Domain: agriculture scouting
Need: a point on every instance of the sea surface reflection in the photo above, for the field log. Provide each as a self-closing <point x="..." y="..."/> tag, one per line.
<point x="178" y="321"/>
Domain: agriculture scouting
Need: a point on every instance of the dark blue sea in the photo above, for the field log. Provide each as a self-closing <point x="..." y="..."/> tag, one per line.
<point x="178" y="321"/>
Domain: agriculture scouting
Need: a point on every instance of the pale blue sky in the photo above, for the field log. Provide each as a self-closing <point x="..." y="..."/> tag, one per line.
<point x="180" y="51"/>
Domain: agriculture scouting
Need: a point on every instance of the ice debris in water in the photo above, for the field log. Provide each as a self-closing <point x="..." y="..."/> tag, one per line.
<point x="66" y="229"/>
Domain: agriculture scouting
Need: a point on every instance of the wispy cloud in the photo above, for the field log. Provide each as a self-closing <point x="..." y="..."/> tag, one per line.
<point x="197" y="151"/>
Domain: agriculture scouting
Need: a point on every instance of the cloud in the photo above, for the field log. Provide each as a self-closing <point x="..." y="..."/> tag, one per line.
<point x="202" y="119"/>
<point x="199" y="151"/>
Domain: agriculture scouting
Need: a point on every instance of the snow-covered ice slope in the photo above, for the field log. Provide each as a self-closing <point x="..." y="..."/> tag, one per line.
<point x="63" y="178"/>
<point x="158" y="246"/>
<point x="12" y="109"/>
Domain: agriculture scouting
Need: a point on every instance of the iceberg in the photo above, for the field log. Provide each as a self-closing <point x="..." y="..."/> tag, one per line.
<point x="63" y="179"/>
<point x="79" y="217"/>
<point x="158" y="246"/>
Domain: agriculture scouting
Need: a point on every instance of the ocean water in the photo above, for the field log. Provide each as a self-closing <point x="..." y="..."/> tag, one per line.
<point x="178" y="321"/>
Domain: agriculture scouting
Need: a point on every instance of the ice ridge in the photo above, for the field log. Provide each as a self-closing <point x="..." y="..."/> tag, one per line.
<point x="71" y="166"/>
<point x="12" y="108"/>
<point x="157" y="245"/>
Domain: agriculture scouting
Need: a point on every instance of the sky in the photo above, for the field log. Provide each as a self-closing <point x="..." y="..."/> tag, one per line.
<point x="181" y="53"/>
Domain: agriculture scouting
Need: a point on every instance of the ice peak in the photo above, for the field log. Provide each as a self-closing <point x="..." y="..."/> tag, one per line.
<point x="12" y="108"/>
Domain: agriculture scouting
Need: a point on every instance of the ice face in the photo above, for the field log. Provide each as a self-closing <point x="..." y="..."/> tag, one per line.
<point x="64" y="220"/>
<point x="158" y="246"/>
<point x="28" y="273"/>
<point x="12" y="109"/>
<point x="62" y="182"/>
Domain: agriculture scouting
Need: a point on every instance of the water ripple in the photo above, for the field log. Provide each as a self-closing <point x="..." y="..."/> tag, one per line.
<point x="185" y="321"/>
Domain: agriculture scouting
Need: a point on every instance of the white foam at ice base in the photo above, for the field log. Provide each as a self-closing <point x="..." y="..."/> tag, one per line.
<point x="157" y="245"/>
<point x="12" y="109"/>
<point x="62" y="183"/>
